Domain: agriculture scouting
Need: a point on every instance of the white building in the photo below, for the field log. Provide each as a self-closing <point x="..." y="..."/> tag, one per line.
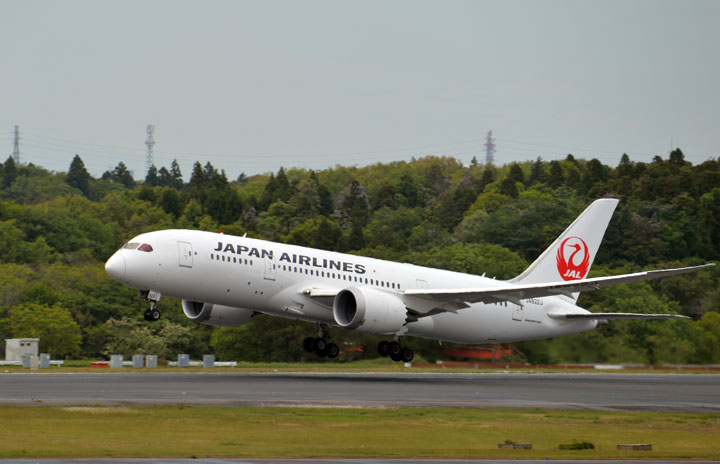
<point x="15" y="348"/>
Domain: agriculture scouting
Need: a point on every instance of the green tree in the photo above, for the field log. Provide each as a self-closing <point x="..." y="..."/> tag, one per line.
<point x="264" y="338"/>
<point x="130" y="336"/>
<point x="283" y="190"/>
<point x="508" y="187"/>
<point x="9" y="173"/>
<point x="319" y="232"/>
<point x="556" y="177"/>
<point x="488" y="177"/>
<point x="164" y="179"/>
<point x="176" y="175"/>
<point x="151" y="178"/>
<point x="15" y="248"/>
<point x="516" y="173"/>
<point x="78" y="176"/>
<point x="121" y="174"/>
<point x="537" y="172"/>
<point x="171" y="201"/>
<point x="59" y="334"/>
<point x="709" y="346"/>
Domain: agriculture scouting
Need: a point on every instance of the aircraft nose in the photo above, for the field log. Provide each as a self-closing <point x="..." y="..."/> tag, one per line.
<point x="115" y="266"/>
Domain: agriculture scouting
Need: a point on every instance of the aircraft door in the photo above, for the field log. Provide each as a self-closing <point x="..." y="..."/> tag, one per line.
<point x="517" y="314"/>
<point x="186" y="254"/>
<point x="270" y="269"/>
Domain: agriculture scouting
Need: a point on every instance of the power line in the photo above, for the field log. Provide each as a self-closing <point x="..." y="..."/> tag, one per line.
<point x="270" y="159"/>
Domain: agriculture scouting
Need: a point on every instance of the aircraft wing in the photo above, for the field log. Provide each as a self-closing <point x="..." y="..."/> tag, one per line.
<point x="614" y="316"/>
<point x="424" y="301"/>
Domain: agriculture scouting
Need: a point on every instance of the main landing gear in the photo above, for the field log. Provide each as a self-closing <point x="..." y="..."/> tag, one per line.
<point x="396" y="351"/>
<point x="152" y="314"/>
<point x="320" y="346"/>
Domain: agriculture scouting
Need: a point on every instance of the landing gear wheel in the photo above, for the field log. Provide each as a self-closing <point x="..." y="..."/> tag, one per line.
<point x="407" y="355"/>
<point x="394" y="349"/>
<point x="332" y="350"/>
<point x="322" y="352"/>
<point x="320" y="344"/>
<point x="383" y="348"/>
<point x="154" y="315"/>
<point x="309" y="344"/>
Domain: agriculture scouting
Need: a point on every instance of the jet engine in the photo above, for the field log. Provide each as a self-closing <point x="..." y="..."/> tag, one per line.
<point x="369" y="310"/>
<point x="210" y="314"/>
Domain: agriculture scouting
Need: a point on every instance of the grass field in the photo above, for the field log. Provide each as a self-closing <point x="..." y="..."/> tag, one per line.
<point x="198" y="431"/>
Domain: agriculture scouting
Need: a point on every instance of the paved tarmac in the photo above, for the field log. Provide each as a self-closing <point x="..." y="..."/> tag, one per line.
<point x="641" y="392"/>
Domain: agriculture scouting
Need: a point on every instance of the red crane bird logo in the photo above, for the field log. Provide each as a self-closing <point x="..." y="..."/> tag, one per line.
<point x="569" y="268"/>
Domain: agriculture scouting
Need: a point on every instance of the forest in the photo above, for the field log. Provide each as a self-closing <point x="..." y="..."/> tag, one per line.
<point x="58" y="228"/>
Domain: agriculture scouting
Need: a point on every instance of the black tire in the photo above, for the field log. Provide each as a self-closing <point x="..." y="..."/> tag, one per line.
<point x="322" y="353"/>
<point x="332" y="350"/>
<point x="146" y="315"/>
<point x="395" y="349"/>
<point x="320" y="344"/>
<point x="396" y="356"/>
<point x="407" y="355"/>
<point x="309" y="344"/>
<point x="383" y="348"/>
<point x="154" y="315"/>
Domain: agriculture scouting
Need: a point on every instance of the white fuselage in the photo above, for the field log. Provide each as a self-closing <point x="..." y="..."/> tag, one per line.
<point x="273" y="278"/>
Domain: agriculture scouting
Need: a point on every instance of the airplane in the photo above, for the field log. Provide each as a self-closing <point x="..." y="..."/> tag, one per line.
<point x="224" y="280"/>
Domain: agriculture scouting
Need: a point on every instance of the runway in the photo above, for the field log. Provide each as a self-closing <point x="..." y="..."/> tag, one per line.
<point x="650" y="392"/>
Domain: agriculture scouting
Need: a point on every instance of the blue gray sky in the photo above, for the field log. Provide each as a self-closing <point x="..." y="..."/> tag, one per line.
<point x="252" y="86"/>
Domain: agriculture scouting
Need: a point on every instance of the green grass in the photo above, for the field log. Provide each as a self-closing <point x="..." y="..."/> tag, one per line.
<point x="185" y="431"/>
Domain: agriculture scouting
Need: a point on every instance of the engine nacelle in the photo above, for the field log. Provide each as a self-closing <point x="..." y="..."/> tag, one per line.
<point x="209" y="314"/>
<point x="369" y="310"/>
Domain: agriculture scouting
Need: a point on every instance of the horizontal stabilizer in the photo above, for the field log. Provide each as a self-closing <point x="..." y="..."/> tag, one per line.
<point x="614" y="316"/>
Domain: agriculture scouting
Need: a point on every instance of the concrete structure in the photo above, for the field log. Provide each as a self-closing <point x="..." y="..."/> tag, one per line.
<point x="15" y="348"/>
<point x="208" y="361"/>
<point x="116" y="361"/>
<point x="44" y="361"/>
<point x="636" y="447"/>
<point x="151" y="361"/>
<point x="183" y="360"/>
<point x="30" y="361"/>
<point x="138" y="361"/>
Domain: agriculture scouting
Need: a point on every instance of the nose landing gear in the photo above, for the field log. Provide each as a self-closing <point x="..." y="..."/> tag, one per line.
<point x="396" y="351"/>
<point x="320" y="346"/>
<point x="152" y="314"/>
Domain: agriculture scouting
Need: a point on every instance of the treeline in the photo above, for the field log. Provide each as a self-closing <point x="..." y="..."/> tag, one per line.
<point x="57" y="229"/>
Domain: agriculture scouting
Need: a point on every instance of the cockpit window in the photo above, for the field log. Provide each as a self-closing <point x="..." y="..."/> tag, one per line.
<point x="130" y="246"/>
<point x="145" y="247"/>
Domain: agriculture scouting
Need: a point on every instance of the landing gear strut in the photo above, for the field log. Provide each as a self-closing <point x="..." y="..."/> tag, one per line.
<point x="320" y="346"/>
<point x="152" y="314"/>
<point x="396" y="351"/>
